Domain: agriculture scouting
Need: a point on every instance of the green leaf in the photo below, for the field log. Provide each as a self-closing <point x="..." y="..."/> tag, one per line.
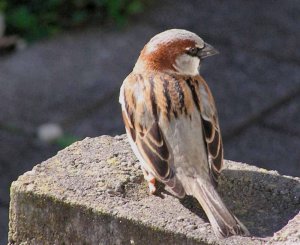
<point x="79" y="17"/>
<point x="3" y="5"/>
<point x="134" y="7"/>
<point x="54" y="3"/>
<point x="36" y="19"/>
<point x="66" y="140"/>
<point x="21" y="18"/>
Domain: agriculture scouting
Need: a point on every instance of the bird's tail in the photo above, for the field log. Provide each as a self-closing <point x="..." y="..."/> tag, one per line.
<point x="223" y="222"/>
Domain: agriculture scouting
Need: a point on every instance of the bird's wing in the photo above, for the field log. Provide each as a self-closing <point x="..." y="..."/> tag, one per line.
<point x="211" y="128"/>
<point x="140" y="116"/>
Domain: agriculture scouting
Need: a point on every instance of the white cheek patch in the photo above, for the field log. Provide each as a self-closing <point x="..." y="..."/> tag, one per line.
<point x="187" y="65"/>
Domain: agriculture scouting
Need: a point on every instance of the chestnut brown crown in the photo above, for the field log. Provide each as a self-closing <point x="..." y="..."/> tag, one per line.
<point x="175" y="50"/>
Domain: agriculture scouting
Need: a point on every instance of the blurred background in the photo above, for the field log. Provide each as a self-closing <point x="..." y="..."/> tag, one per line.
<point x="62" y="64"/>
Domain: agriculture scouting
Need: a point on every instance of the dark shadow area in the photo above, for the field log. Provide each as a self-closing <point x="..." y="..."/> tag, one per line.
<point x="193" y="205"/>
<point x="263" y="202"/>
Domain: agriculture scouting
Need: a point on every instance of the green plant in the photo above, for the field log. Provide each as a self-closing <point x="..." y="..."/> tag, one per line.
<point x="66" y="140"/>
<point x="35" y="19"/>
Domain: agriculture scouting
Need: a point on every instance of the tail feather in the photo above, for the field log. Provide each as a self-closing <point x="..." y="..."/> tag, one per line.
<point x="223" y="222"/>
<point x="175" y="186"/>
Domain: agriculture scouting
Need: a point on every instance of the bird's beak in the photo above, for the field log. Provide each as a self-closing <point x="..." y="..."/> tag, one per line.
<point x="208" y="50"/>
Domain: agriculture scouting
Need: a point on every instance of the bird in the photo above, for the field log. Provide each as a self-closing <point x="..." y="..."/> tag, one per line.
<point x="172" y="124"/>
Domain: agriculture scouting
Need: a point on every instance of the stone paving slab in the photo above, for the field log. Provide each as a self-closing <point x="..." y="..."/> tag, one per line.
<point x="244" y="83"/>
<point x="3" y="225"/>
<point x="256" y="25"/>
<point x="57" y="78"/>
<point x="107" y="120"/>
<point x="286" y="119"/>
<point x="266" y="148"/>
<point x="18" y="155"/>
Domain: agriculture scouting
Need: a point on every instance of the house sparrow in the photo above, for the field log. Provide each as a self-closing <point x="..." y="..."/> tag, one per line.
<point x="172" y="124"/>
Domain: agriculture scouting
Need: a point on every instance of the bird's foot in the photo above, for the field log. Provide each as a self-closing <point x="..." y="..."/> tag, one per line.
<point x="150" y="180"/>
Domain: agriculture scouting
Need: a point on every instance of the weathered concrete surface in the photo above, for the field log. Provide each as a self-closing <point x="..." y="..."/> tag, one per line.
<point x="93" y="192"/>
<point x="289" y="234"/>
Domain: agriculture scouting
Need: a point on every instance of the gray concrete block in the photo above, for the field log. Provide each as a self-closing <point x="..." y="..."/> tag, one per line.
<point x="93" y="192"/>
<point x="290" y="232"/>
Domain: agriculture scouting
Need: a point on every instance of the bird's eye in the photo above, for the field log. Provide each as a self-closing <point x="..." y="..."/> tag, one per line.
<point x="193" y="51"/>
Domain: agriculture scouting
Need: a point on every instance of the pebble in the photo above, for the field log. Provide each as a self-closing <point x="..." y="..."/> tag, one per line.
<point x="124" y="164"/>
<point x="180" y="218"/>
<point x="49" y="132"/>
<point x="191" y="227"/>
<point x="202" y="229"/>
<point x="120" y="188"/>
<point x="132" y="178"/>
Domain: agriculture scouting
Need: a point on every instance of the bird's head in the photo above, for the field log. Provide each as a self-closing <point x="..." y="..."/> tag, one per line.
<point x="174" y="51"/>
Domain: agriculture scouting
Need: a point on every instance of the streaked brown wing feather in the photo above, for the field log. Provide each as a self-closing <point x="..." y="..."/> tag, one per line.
<point x="211" y="129"/>
<point x="141" y="122"/>
<point x="156" y="153"/>
<point x="145" y="130"/>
